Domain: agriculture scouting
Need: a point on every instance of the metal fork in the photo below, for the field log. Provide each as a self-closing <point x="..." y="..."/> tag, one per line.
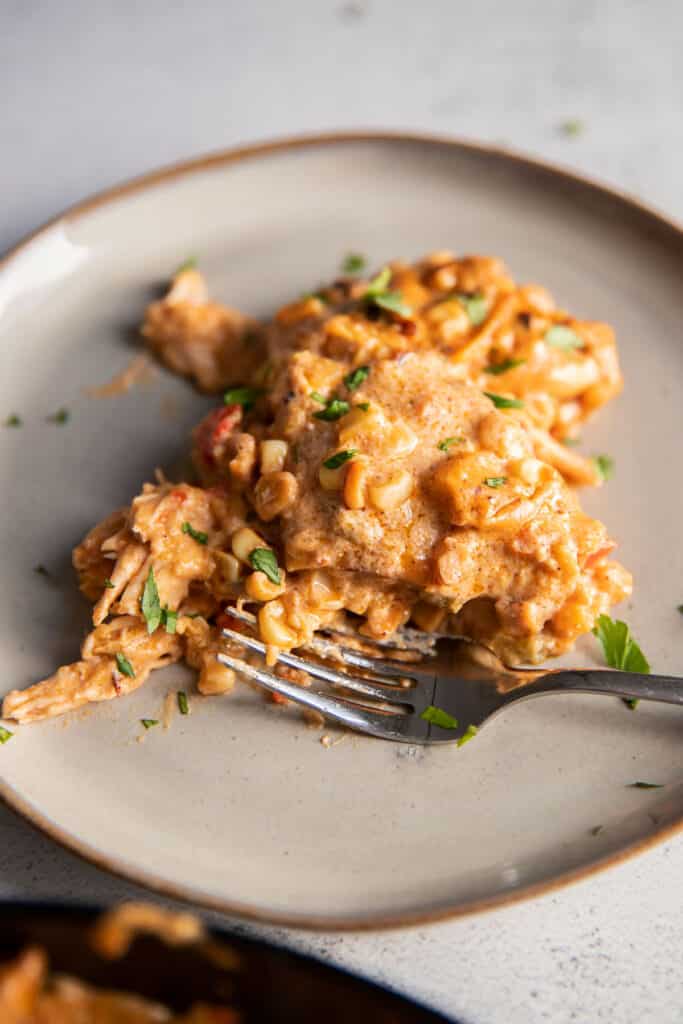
<point x="445" y="694"/>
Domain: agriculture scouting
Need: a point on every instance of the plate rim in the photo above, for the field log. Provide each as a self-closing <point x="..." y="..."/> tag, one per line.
<point x="23" y="808"/>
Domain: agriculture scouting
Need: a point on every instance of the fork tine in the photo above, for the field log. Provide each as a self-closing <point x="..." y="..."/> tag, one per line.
<point x="353" y="715"/>
<point x="391" y="694"/>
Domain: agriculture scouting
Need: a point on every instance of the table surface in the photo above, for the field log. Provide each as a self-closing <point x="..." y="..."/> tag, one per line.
<point x="96" y="92"/>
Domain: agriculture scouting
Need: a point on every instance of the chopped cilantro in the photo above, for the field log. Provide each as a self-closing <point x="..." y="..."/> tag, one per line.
<point x="645" y="785"/>
<point x="572" y="127"/>
<point x="469" y="734"/>
<point x="42" y="571"/>
<point x="169" y="619"/>
<point x="149" y="722"/>
<point x="604" y="465"/>
<point x="509" y="364"/>
<point x="571" y="442"/>
<point x="197" y="535"/>
<point x="476" y="306"/>
<point x="620" y="649"/>
<point x="334" y="410"/>
<point x="335" y="461"/>
<point x="183" y="705"/>
<point x="354" y="379"/>
<point x="632" y="704"/>
<point x="317" y="397"/>
<point x="354" y="263"/>
<point x="379" y="283"/>
<point x="60" y="417"/>
<point x="189" y="264"/>
<point x="124" y="666"/>
<point x="495" y="481"/>
<point x="680" y="609"/>
<point x="447" y="442"/>
<point x="437" y="716"/>
<point x="596" y="830"/>
<point x="265" y="561"/>
<point x="559" y="336"/>
<point x="377" y="293"/>
<point x="13" y="420"/>
<point x="241" y="396"/>
<point x="108" y="585"/>
<point x="501" y="402"/>
<point x="362" y="405"/>
<point x="149" y="602"/>
<point x="5" y="735"/>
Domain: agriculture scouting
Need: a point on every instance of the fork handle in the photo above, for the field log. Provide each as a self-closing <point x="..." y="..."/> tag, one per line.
<point x="629" y="685"/>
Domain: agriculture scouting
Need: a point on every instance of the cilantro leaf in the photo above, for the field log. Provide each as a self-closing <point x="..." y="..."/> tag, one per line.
<point x="169" y="619"/>
<point x="378" y="285"/>
<point x="447" y="442"/>
<point x="241" y="396"/>
<point x="124" y="666"/>
<point x="334" y="410"/>
<point x="149" y="722"/>
<point x="198" y="535"/>
<point x="108" y="585"/>
<point x="13" y="420"/>
<point x="183" y="705"/>
<point x="469" y="734"/>
<point x="5" y="735"/>
<point x="60" y="417"/>
<point x="501" y="402"/>
<point x="604" y="465"/>
<point x="150" y="605"/>
<point x="189" y="264"/>
<point x="620" y="649"/>
<point x="476" y="306"/>
<point x="495" y="481"/>
<point x="354" y="263"/>
<point x="354" y="379"/>
<point x="393" y="303"/>
<point x="335" y="461"/>
<point x="564" y="338"/>
<point x="509" y="364"/>
<point x="317" y="397"/>
<point x="265" y="561"/>
<point x="437" y="716"/>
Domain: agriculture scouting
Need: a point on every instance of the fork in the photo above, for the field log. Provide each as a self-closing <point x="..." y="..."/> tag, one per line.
<point x="445" y="694"/>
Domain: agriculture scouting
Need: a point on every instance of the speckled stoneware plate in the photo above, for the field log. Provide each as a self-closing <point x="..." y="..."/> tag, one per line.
<point x="239" y="806"/>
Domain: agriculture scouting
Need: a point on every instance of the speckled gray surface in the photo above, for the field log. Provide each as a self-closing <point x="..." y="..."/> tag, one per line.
<point x="96" y="92"/>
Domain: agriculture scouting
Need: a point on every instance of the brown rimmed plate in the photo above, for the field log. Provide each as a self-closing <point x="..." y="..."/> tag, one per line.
<point x="238" y="806"/>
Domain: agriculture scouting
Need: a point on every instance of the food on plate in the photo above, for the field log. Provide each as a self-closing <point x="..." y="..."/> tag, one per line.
<point x="31" y="994"/>
<point x="388" y="451"/>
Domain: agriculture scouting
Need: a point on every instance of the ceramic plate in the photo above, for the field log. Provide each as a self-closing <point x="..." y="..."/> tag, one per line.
<point x="239" y="806"/>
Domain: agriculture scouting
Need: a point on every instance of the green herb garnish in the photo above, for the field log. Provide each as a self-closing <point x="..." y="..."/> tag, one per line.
<point x="264" y="560"/>
<point x="354" y="263"/>
<point x="509" y="364"/>
<point x="563" y="338"/>
<point x="572" y="127"/>
<point x="571" y="442"/>
<point x="631" y="703"/>
<point x="169" y="619"/>
<point x="680" y="609"/>
<point x="476" y="306"/>
<point x="604" y="465"/>
<point x="378" y="294"/>
<point x="108" y="585"/>
<point x="447" y="442"/>
<point x="645" y="785"/>
<point x="362" y="405"/>
<point x="469" y="734"/>
<point x="197" y="535"/>
<point x="150" y="604"/>
<point x="189" y="264"/>
<point x="620" y="649"/>
<point x="124" y="666"/>
<point x="354" y="379"/>
<point x="13" y="420"/>
<point x="60" y="417"/>
<point x="437" y="716"/>
<point x="334" y="410"/>
<point x="501" y="402"/>
<point x="495" y="481"/>
<point x="5" y="735"/>
<point x="241" y="396"/>
<point x="149" y="722"/>
<point x="335" y="461"/>
<point x="183" y="705"/>
<point x="42" y="571"/>
<point x="317" y="397"/>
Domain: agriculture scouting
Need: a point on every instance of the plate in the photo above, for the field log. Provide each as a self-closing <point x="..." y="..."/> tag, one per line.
<point x="239" y="806"/>
<point x="267" y="984"/>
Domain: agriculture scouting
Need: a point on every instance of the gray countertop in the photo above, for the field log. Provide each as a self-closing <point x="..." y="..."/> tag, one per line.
<point x="93" y="93"/>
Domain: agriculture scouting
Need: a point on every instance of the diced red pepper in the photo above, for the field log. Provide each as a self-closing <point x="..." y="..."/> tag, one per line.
<point x="215" y="429"/>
